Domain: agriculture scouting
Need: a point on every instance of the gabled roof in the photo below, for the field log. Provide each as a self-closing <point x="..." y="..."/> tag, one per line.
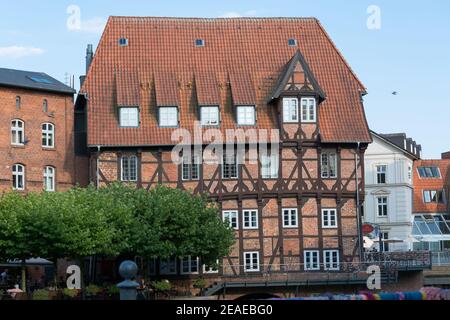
<point x="241" y="61"/>
<point x="307" y="80"/>
<point x="32" y="80"/>
<point x="385" y="139"/>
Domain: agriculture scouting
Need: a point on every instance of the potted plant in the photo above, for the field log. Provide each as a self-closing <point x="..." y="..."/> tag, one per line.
<point x="41" y="294"/>
<point x="161" y="287"/>
<point x="70" y="294"/>
<point x="92" y="291"/>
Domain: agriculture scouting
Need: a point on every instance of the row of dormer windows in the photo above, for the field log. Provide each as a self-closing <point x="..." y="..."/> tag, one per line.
<point x="294" y="111"/>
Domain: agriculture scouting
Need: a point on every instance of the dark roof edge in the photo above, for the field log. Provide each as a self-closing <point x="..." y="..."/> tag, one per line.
<point x="65" y="92"/>
<point x="394" y="145"/>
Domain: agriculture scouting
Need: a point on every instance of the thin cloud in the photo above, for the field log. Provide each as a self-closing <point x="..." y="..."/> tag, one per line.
<point x="17" y="52"/>
<point x="94" y="25"/>
<point x="234" y="14"/>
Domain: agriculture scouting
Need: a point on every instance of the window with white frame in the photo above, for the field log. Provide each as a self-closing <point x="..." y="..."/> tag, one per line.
<point x="430" y="172"/>
<point x="168" y="266"/>
<point x="329" y="218"/>
<point x="251" y="261"/>
<point x="290" y="218"/>
<point x="191" y="168"/>
<point x="129" y="117"/>
<point x="329" y="165"/>
<point x="49" y="179"/>
<point x="381" y="174"/>
<point x="269" y="166"/>
<point x="18" y="175"/>
<point x="168" y="116"/>
<point x="17" y="132"/>
<point x="434" y="196"/>
<point x="382" y="206"/>
<point x="308" y="109"/>
<point x="129" y="168"/>
<point x="213" y="268"/>
<point x="290" y="110"/>
<point x="311" y="258"/>
<point x="384" y="243"/>
<point x="230" y="167"/>
<point x="331" y="259"/>
<point x="209" y="116"/>
<point x="250" y="219"/>
<point x="246" y="115"/>
<point x="189" y="265"/>
<point x="232" y="218"/>
<point x="48" y="135"/>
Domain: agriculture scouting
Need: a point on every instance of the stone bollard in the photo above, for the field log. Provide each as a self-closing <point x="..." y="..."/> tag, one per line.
<point x="128" y="288"/>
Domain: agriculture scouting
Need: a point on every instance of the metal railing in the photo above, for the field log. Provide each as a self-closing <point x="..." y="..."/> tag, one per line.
<point x="408" y="260"/>
<point x="441" y="258"/>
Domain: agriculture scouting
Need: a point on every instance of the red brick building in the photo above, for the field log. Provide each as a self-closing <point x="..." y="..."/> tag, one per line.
<point x="294" y="211"/>
<point x="36" y="140"/>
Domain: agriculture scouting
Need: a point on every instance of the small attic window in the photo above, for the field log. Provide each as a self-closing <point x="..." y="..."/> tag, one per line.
<point x="199" y="42"/>
<point x="123" y="42"/>
<point x="292" y="42"/>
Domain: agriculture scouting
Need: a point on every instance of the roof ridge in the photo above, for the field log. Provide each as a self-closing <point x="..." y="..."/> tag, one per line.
<point x="211" y="18"/>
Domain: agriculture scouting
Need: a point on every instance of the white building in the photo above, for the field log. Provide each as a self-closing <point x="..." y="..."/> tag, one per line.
<point x="389" y="188"/>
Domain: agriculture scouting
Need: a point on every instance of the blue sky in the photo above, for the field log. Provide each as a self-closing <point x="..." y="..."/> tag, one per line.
<point x="409" y="54"/>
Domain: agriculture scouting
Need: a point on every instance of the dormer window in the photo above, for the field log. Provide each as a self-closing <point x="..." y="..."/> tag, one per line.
<point x="308" y="109"/>
<point x="168" y="117"/>
<point x="246" y="115"/>
<point x="199" y="42"/>
<point x="209" y="115"/>
<point x="129" y="117"/>
<point x="123" y="42"/>
<point x="292" y="42"/>
<point x="290" y="110"/>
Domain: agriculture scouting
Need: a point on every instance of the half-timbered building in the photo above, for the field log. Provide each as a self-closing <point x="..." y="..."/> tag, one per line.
<point x="294" y="210"/>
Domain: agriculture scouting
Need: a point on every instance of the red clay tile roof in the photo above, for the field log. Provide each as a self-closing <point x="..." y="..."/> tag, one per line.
<point x="242" y="60"/>
<point x="421" y="184"/>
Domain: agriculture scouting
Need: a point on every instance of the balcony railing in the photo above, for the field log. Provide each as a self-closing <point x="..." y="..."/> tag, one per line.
<point x="404" y="261"/>
<point x="441" y="258"/>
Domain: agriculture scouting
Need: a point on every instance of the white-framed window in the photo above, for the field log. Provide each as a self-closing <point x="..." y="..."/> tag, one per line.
<point x="48" y="135"/>
<point x="230" y="167"/>
<point x="168" y="117"/>
<point x="382" y="206"/>
<point x="209" y="116"/>
<point x="308" y="109"/>
<point x="189" y="265"/>
<point x="434" y="196"/>
<point x="210" y="269"/>
<point x="49" y="178"/>
<point x="329" y="165"/>
<point x="251" y="261"/>
<point x="129" y="168"/>
<point x="269" y="166"/>
<point x="431" y="172"/>
<point x="312" y="260"/>
<point x="331" y="259"/>
<point x="18" y="175"/>
<point x="381" y="174"/>
<point x="191" y="168"/>
<point x="129" y="117"/>
<point x="329" y="218"/>
<point x="17" y="132"/>
<point x="384" y="244"/>
<point x="290" y="217"/>
<point x="246" y="115"/>
<point x="232" y="218"/>
<point x="250" y="219"/>
<point x="168" y="266"/>
<point x="290" y="110"/>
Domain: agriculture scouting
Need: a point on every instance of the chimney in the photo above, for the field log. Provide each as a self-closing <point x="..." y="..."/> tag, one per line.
<point x="89" y="56"/>
<point x="446" y="156"/>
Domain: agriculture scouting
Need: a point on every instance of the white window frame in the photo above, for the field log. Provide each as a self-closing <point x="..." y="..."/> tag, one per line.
<point x="246" y="115"/>
<point x="311" y="102"/>
<point x="171" y="264"/>
<point x="233" y="218"/>
<point x="129" y="117"/>
<point x="210" y="115"/>
<point x="211" y="270"/>
<point x="187" y="169"/>
<point x="290" y="110"/>
<point x="308" y="256"/>
<point x="18" y="175"/>
<point x="189" y="260"/>
<point x="270" y="166"/>
<point x="225" y="163"/>
<point x="379" y="171"/>
<point x="252" y="219"/>
<point x="49" y="176"/>
<point x="327" y="214"/>
<point x="327" y="171"/>
<point x="168" y="117"/>
<point x="328" y="263"/>
<point x="378" y="204"/>
<point x="17" y="132"/>
<point x="132" y="159"/>
<point x="252" y="267"/>
<point x="48" y="135"/>
<point x="290" y="213"/>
